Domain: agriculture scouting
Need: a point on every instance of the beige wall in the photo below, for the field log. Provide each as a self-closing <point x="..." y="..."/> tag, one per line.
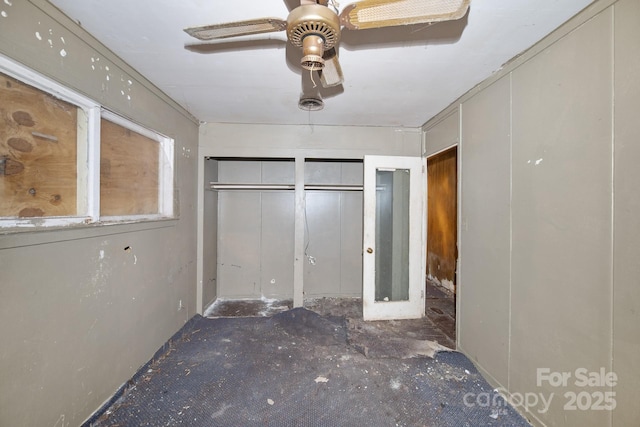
<point x="548" y="271"/>
<point x="307" y="141"/>
<point x="255" y="239"/>
<point x="210" y="234"/>
<point x="334" y="231"/>
<point x="626" y="213"/>
<point x="549" y="226"/>
<point x="79" y="314"/>
<point x="443" y="135"/>
<point x="485" y="232"/>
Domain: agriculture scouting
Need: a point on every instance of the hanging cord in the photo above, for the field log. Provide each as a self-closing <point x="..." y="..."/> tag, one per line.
<point x="312" y="80"/>
<point x="311" y="259"/>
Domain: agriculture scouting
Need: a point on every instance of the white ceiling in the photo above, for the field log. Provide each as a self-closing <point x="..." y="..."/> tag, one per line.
<point x="399" y="76"/>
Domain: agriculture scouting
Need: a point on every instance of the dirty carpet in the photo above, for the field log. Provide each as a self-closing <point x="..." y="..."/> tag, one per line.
<point x="299" y="368"/>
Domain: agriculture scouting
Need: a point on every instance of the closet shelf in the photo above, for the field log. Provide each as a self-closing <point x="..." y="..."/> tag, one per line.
<point x="308" y="187"/>
<point x="221" y="186"/>
<point x="333" y="187"/>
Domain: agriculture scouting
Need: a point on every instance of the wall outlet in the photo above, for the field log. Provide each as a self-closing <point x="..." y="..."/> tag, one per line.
<point x="180" y="306"/>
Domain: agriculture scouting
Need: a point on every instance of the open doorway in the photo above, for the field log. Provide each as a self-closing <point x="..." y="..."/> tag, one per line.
<point x="442" y="253"/>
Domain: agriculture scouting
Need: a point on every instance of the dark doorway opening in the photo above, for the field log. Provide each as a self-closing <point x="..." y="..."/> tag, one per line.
<point x="442" y="235"/>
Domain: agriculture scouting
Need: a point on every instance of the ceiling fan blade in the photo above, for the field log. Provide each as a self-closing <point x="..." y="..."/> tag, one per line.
<point x="331" y="74"/>
<point x="391" y="13"/>
<point x="238" y="28"/>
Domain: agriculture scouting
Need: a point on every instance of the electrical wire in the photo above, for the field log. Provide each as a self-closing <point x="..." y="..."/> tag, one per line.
<point x="312" y="80"/>
<point x="311" y="259"/>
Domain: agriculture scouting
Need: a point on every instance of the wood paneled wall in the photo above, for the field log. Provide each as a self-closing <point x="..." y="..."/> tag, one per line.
<point x="442" y="215"/>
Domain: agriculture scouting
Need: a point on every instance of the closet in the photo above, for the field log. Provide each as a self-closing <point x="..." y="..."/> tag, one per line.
<point x="250" y="228"/>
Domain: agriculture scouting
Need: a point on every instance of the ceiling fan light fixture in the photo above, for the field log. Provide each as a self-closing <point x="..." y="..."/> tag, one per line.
<point x="312" y="51"/>
<point x="311" y="103"/>
<point x="312" y="63"/>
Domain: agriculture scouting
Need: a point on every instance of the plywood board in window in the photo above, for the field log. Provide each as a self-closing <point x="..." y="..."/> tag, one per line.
<point x="128" y="172"/>
<point x="38" y="150"/>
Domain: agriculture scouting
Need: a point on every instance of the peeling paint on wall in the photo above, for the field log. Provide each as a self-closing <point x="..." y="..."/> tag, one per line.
<point x="101" y="275"/>
<point x="3" y="12"/>
<point x="49" y="38"/>
<point x="126" y="83"/>
<point x="56" y="362"/>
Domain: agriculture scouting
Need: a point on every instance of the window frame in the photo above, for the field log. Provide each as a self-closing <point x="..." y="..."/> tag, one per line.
<point x="90" y="114"/>
<point x="165" y="170"/>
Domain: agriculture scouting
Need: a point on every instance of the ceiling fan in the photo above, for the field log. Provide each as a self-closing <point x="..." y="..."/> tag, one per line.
<point x="315" y="27"/>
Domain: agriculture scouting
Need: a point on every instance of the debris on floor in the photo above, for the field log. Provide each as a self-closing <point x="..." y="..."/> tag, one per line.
<point x="262" y="307"/>
<point x="374" y="340"/>
<point x="299" y="368"/>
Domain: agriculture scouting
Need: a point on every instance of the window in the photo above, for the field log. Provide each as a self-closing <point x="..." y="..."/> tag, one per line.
<point x="135" y="170"/>
<point x="64" y="160"/>
<point x="38" y="152"/>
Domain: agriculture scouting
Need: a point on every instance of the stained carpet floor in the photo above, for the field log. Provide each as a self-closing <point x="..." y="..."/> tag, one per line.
<point x="299" y="368"/>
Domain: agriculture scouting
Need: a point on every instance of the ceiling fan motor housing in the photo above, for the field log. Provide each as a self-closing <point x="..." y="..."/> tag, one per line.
<point x="314" y="28"/>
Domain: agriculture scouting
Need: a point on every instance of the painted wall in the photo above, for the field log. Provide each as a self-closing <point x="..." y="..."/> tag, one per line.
<point x="210" y="234"/>
<point x="333" y="246"/>
<point x="442" y="133"/>
<point x="626" y="211"/>
<point x="307" y="141"/>
<point x="255" y="250"/>
<point x="255" y="239"/>
<point x="79" y="314"/>
<point x="549" y="218"/>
